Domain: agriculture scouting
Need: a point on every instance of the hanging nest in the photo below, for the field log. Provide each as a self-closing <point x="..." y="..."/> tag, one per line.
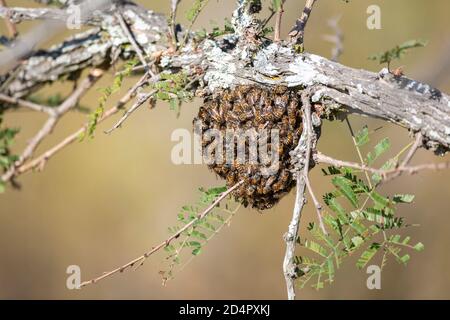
<point x="247" y="108"/>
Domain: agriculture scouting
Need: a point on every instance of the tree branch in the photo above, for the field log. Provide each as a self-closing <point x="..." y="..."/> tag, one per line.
<point x="166" y="242"/>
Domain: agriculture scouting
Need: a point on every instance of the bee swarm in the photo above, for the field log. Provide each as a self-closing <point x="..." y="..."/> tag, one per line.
<point x="250" y="107"/>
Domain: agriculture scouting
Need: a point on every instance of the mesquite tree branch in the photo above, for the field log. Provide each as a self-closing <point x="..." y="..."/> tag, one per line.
<point x="166" y="242"/>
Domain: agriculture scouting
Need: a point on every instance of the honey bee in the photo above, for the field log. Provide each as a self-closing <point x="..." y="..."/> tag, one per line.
<point x="250" y="190"/>
<point x="253" y="97"/>
<point x="289" y="138"/>
<point x="216" y="115"/>
<point x="268" y="115"/>
<point x="280" y="90"/>
<point x="231" y="179"/>
<point x="292" y="107"/>
<point x="203" y="113"/>
<point x="282" y="180"/>
<point x="268" y="185"/>
<point x="257" y="116"/>
<point x="255" y="179"/>
<point x="241" y="92"/>
<point x="278" y="112"/>
<point x="281" y="101"/>
<point x="264" y="100"/>
<point x="398" y="72"/>
<point x="239" y="167"/>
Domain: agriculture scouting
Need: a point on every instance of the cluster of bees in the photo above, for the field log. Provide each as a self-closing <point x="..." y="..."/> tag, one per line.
<point x="249" y="107"/>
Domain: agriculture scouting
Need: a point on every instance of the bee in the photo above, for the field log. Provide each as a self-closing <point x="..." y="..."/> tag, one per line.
<point x="268" y="184"/>
<point x="281" y="101"/>
<point x="264" y="100"/>
<point x="253" y="97"/>
<point x="203" y="113"/>
<point x="289" y="138"/>
<point x="292" y="107"/>
<point x="245" y="115"/>
<point x="231" y="179"/>
<point x="241" y="92"/>
<point x="232" y="119"/>
<point x="255" y="179"/>
<point x="398" y="72"/>
<point x="278" y="112"/>
<point x="268" y="114"/>
<point x="260" y="187"/>
<point x="216" y="116"/>
<point x="280" y="150"/>
<point x="250" y="190"/>
<point x="257" y="116"/>
<point x="282" y="181"/>
<point x="280" y="90"/>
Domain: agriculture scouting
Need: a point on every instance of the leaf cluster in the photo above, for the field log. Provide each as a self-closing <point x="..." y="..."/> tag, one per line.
<point x="360" y="222"/>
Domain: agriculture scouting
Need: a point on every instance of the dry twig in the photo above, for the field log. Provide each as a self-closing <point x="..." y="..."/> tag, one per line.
<point x="298" y="31"/>
<point x="166" y="242"/>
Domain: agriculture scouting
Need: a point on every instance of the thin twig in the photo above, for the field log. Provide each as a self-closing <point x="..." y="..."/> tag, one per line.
<point x="337" y="39"/>
<point x="203" y="4"/>
<point x="321" y="158"/>
<point x="173" y="25"/>
<point x="12" y="30"/>
<point x="131" y="38"/>
<point x="140" y="101"/>
<point x="358" y="149"/>
<point x="51" y="122"/>
<point x="278" y="19"/>
<point x="166" y="242"/>
<point x="27" y="104"/>
<point x="298" y="31"/>
<point x="412" y="151"/>
<point x="40" y="161"/>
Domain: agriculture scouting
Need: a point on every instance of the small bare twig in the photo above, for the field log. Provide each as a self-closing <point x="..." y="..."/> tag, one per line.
<point x="27" y="104"/>
<point x="12" y="30"/>
<point x="321" y="158"/>
<point x="131" y="38"/>
<point x="358" y="149"/>
<point x="142" y="98"/>
<point x="55" y="115"/>
<point x="278" y="19"/>
<point x="166" y="242"/>
<point x="173" y="24"/>
<point x="298" y="31"/>
<point x="40" y="161"/>
<point x="337" y="39"/>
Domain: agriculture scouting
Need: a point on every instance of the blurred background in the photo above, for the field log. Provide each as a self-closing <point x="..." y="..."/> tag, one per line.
<point x="102" y="202"/>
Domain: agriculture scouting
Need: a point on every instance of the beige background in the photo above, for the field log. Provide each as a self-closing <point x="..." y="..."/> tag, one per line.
<point x="100" y="203"/>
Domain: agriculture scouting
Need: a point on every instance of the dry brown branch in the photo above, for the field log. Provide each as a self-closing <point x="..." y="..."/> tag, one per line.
<point x="55" y="115"/>
<point x="27" y="104"/>
<point x="385" y="174"/>
<point x="166" y="242"/>
<point x="40" y="161"/>
<point x="278" y="19"/>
